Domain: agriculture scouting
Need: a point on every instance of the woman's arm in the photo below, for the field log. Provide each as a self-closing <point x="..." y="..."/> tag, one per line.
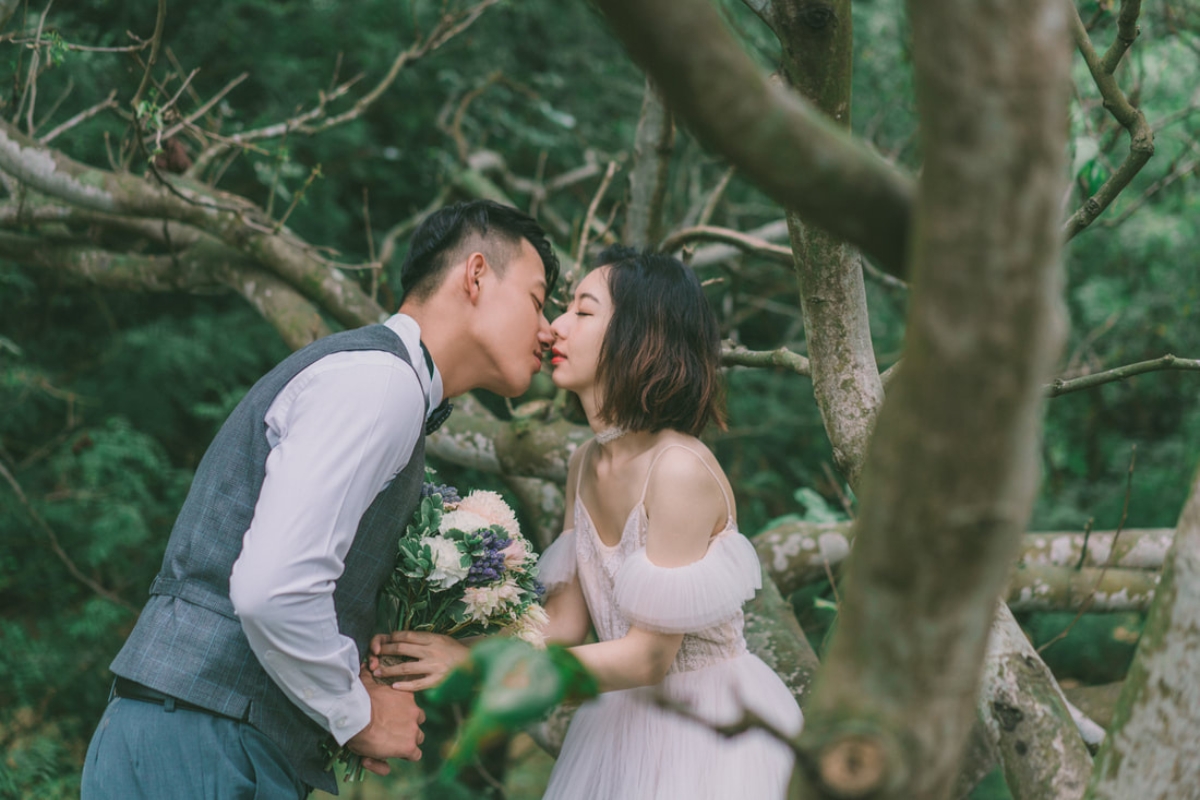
<point x="684" y="506"/>
<point x="683" y="512"/>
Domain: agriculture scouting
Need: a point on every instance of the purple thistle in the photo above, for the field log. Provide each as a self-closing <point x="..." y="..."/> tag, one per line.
<point x="488" y="564"/>
<point x="449" y="493"/>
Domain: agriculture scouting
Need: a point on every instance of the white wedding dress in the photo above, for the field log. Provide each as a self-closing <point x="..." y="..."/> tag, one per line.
<point x="621" y="746"/>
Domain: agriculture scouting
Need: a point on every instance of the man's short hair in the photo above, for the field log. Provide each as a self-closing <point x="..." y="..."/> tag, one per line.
<point x="486" y="226"/>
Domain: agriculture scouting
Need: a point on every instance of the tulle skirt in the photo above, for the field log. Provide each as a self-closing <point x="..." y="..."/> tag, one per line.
<point x="623" y="747"/>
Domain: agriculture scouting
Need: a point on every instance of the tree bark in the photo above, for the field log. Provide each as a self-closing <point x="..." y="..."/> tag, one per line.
<point x="818" y="52"/>
<point x="652" y="146"/>
<point x="1150" y="752"/>
<point x="951" y="471"/>
<point x="1028" y="720"/>
<point x="204" y="266"/>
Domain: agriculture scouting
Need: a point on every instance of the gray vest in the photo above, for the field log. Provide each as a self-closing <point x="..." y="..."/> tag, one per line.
<point x="188" y="642"/>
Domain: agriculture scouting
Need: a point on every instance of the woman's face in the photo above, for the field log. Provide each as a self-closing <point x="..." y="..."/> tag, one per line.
<point x="579" y="333"/>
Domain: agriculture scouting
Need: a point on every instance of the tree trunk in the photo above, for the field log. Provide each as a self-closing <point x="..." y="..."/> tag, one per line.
<point x="952" y="468"/>
<point x="817" y="37"/>
<point x="1150" y="752"/>
<point x="652" y="146"/>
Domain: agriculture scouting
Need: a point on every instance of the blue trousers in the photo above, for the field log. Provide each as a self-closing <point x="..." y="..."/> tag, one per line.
<point x="142" y="751"/>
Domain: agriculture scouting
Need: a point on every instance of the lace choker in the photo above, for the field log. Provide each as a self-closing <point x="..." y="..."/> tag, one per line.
<point x="610" y="435"/>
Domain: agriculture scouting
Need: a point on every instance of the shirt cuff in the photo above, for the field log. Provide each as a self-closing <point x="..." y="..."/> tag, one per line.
<point x="350" y="714"/>
<point x="343" y="715"/>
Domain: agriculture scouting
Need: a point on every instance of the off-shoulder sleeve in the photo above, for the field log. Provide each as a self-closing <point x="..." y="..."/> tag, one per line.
<point x="556" y="567"/>
<point x="693" y="597"/>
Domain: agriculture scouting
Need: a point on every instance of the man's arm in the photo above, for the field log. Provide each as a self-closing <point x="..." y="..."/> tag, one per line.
<point x="344" y="427"/>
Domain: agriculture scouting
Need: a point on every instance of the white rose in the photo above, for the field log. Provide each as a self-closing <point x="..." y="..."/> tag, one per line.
<point x="464" y="521"/>
<point x="447" y="562"/>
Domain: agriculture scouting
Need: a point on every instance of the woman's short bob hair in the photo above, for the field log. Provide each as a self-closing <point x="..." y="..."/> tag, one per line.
<point x="660" y="359"/>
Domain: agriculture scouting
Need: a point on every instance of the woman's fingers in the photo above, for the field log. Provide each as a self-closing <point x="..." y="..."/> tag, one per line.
<point x="410" y="637"/>
<point x="418" y="684"/>
<point x="403" y="649"/>
<point x="402" y="668"/>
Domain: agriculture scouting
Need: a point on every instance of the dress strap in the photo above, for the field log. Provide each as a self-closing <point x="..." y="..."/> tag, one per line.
<point x="579" y="477"/>
<point x="721" y="486"/>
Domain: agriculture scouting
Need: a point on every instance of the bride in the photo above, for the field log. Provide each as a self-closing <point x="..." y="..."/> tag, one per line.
<point x="651" y="557"/>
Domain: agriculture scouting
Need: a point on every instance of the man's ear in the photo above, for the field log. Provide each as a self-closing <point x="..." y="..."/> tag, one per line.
<point x="473" y="271"/>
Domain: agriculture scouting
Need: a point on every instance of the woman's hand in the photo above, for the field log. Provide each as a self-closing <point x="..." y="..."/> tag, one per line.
<point x="433" y="654"/>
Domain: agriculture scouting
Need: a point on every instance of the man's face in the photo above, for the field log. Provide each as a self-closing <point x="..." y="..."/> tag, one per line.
<point x="514" y="328"/>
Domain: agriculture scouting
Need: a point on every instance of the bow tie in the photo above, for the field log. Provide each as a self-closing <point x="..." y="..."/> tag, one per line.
<point x="439" y="415"/>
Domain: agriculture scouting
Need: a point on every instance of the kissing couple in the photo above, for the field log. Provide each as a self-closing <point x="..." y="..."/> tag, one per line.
<point x="249" y="653"/>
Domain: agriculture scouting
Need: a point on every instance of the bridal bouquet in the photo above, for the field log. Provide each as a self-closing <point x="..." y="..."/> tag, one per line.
<point x="462" y="569"/>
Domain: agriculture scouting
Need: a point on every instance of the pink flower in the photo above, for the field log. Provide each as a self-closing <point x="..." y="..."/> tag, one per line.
<point x="491" y="507"/>
<point x="516" y="553"/>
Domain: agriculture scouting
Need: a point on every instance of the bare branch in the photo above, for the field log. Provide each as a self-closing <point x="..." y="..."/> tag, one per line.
<point x="737" y="355"/>
<point x="718" y="253"/>
<point x="204" y="109"/>
<point x="1061" y="386"/>
<point x="780" y="254"/>
<point x="714" y="197"/>
<point x="59" y="552"/>
<point x="155" y="45"/>
<point x="387" y="247"/>
<point x="203" y="266"/>
<point x="1141" y="136"/>
<point x="586" y="229"/>
<point x="82" y="116"/>
<point x="1127" y="31"/>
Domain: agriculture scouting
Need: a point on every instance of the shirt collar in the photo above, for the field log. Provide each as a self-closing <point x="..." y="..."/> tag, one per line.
<point x="409" y="332"/>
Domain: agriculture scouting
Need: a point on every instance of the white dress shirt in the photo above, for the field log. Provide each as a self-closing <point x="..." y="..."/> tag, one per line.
<point x="339" y="432"/>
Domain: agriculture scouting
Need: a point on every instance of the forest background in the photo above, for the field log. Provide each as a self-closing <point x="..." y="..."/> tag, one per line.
<point x="108" y="397"/>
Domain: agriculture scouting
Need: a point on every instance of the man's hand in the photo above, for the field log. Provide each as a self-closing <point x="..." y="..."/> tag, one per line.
<point x="394" y="730"/>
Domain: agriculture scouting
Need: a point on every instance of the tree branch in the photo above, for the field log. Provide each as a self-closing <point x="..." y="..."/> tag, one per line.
<point x="777" y="253"/>
<point x="205" y="266"/>
<point x="1060" y="386"/>
<point x="772" y="136"/>
<point x="1028" y="720"/>
<point x="797" y="553"/>
<point x="652" y="146"/>
<point x="448" y="26"/>
<point x="1141" y="136"/>
<point x="736" y="355"/>
<point x="82" y="116"/>
<point x="229" y="218"/>
<point x="59" y="552"/>
<point x="155" y="45"/>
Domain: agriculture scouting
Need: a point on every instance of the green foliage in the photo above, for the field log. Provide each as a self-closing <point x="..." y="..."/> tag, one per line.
<point x="509" y="684"/>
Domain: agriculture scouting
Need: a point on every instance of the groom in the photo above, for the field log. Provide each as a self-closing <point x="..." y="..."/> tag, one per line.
<point x="247" y="655"/>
